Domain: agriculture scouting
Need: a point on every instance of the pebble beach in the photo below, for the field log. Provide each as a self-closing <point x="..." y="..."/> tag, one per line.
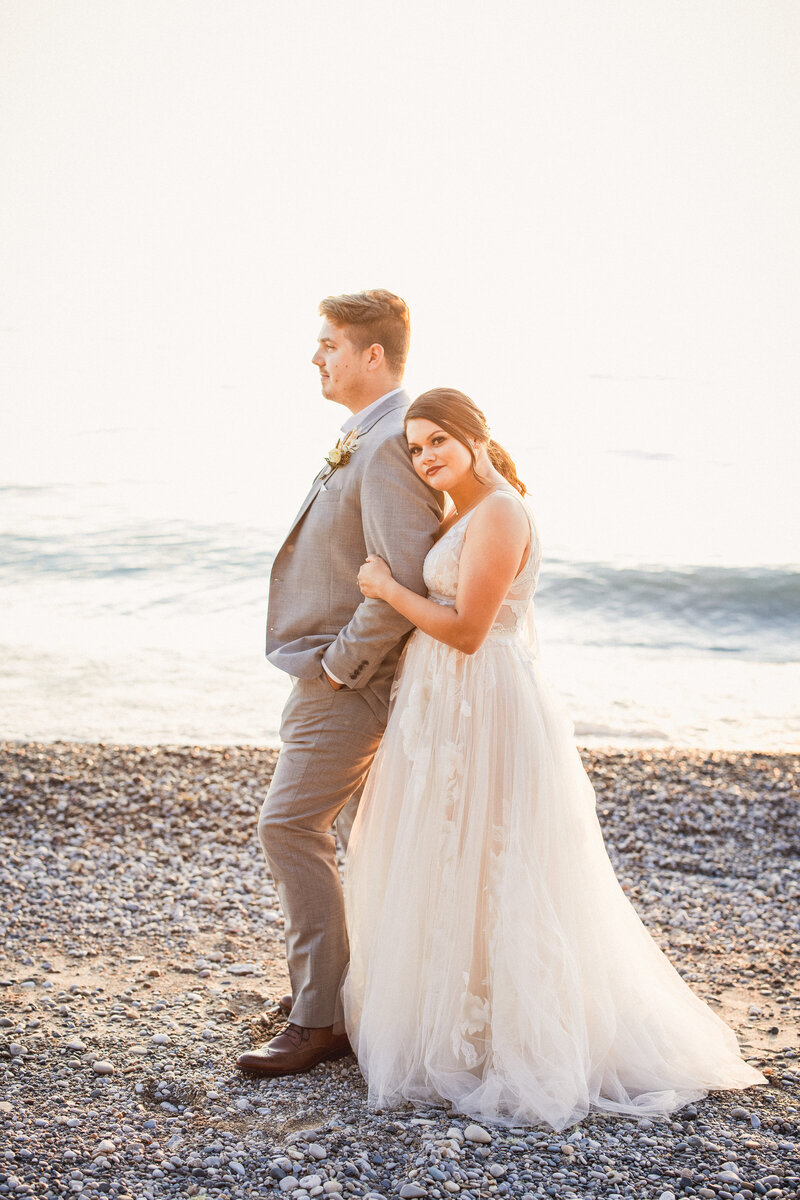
<point x="142" y="951"/>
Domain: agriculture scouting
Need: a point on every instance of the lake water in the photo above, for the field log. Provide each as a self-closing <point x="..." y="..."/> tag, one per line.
<point x="133" y="611"/>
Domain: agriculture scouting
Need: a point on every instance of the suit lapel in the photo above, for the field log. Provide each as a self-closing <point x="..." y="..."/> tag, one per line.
<point x="304" y="507"/>
<point x="399" y="400"/>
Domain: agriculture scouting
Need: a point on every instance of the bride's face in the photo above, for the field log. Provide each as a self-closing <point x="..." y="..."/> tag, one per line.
<point x="439" y="458"/>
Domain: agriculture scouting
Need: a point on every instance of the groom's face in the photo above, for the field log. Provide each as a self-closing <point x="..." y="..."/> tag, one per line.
<point x="342" y="366"/>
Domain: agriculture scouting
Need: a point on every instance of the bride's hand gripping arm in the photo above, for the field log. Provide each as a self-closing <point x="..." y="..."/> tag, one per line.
<point x="494" y="550"/>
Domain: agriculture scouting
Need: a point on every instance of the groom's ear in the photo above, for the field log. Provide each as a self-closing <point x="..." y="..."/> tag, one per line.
<point x="375" y="356"/>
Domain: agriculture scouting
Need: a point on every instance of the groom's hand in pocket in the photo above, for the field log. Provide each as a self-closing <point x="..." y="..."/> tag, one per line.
<point x="335" y="684"/>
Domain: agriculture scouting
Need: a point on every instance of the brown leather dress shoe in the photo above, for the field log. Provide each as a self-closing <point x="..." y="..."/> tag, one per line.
<point x="295" y="1049"/>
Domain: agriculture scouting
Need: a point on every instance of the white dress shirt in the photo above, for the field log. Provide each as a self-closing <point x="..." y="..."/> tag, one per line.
<point x="356" y="419"/>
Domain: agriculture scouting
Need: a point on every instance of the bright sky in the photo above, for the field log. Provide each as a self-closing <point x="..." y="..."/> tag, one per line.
<point x="592" y="208"/>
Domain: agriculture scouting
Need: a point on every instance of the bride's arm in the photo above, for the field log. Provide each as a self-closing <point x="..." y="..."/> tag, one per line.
<point x="494" y="549"/>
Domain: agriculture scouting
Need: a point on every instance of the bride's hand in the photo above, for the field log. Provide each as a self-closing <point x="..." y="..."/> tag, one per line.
<point x="373" y="577"/>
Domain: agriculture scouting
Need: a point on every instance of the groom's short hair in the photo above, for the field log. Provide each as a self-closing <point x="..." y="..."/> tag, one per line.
<point x="370" y="317"/>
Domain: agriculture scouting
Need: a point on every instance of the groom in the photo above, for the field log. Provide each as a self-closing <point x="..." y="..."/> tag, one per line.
<point x="341" y="650"/>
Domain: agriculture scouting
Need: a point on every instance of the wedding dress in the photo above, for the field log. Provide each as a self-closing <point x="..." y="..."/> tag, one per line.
<point x="496" y="963"/>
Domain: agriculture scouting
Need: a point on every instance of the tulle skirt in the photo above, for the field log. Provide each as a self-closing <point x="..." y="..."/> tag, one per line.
<point x="496" y="964"/>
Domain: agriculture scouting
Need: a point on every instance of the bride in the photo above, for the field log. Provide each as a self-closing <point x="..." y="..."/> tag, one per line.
<point x="496" y="964"/>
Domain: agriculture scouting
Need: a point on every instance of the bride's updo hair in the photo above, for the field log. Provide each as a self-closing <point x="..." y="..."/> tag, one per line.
<point x="459" y="416"/>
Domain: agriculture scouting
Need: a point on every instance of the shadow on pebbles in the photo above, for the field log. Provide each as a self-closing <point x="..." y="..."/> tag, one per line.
<point x="142" y="951"/>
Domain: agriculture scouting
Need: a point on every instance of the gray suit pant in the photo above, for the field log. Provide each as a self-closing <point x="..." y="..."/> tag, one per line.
<point x="329" y="739"/>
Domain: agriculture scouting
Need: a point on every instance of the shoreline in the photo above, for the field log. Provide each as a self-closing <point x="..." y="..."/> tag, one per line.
<point x="255" y="747"/>
<point x="140" y="923"/>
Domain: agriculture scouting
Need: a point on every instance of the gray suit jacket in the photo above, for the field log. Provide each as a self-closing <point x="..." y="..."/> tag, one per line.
<point x="376" y="504"/>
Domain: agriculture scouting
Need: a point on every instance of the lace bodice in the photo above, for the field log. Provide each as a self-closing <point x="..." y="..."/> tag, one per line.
<point x="441" y="575"/>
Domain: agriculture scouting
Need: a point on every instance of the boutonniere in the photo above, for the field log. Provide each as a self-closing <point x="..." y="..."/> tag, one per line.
<point x="342" y="452"/>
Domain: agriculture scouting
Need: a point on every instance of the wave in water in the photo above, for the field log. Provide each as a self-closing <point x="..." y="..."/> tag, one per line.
<point x="194" y="567"/>
<point x="709" y="607"/>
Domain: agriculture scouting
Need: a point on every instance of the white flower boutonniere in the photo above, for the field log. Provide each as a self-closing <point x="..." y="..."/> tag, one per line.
<point x="341" y="453"/>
